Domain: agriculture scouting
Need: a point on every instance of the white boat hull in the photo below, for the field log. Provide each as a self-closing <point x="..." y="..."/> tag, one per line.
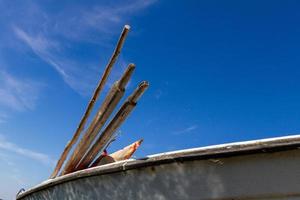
<point x="258" y="170"/>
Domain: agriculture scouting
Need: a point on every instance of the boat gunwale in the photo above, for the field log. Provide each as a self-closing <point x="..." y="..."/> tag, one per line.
<point x="209" y="152"/>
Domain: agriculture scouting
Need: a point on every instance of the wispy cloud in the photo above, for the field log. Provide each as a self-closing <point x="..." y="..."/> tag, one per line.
<point x="105" y="18"/>
<point x="51" y="39"/>
<point x="77" y="77"/>
<point x="48" y="51"/>
<point x="96" y="23"/>
<point x="186" y="130"/>
<point x="13" y="168"/>
<point x="11" y="147"/>
<point x="41" y="46"/>
<point x="17" y="94"/>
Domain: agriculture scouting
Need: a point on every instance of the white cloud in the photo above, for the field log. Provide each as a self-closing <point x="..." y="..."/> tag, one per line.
<point x="11" y="147"/>
<point x="48" y="51"/>
<point x="77" y="77"/>
<point x="17" y="94"/>
<point x="52" y="38"/>
<point x="18" y="172"/>
<point x="186" y="130"/>
<point x="105" y="19"/>
<point x="42" y="47"/>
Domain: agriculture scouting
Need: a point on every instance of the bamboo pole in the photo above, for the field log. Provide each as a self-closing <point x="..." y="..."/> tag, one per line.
<point x="122" y="154"/>
<point x="90" y="106"/>
<point x="113" y="125"/>
<point x="105" y="110"/>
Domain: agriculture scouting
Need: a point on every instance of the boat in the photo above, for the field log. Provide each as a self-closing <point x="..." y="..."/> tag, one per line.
<point x="267" y="169"/>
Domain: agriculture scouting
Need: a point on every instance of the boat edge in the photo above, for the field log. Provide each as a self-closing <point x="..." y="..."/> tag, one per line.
<point x="214" y="151"/>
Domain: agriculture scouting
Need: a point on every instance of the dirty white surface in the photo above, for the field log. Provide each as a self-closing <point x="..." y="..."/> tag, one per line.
<point x="258" y="175"/>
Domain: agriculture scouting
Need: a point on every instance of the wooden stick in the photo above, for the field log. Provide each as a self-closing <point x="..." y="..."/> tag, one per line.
<point x="107" y="107"/>
<point x="122" y="154"/>
<point x="92" y="101"/>
<point x="113" y="125"/>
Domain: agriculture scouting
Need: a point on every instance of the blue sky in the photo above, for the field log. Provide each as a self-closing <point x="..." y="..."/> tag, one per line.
<point x="219" y="71"/>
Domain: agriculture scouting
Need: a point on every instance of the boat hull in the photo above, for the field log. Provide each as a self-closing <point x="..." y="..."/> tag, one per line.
<point x="267" y="172"/>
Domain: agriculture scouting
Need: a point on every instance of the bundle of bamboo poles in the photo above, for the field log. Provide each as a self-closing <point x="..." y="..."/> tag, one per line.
<point x="90" y="150"/>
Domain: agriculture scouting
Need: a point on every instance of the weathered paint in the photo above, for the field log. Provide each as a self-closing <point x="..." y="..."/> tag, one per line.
<point x="260" y="170"/>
